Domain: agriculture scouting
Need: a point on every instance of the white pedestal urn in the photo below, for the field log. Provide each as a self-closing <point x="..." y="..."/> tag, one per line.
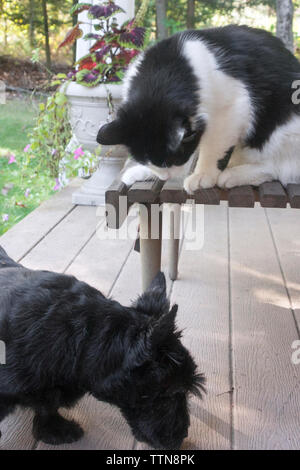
<point x="88" y="112"/>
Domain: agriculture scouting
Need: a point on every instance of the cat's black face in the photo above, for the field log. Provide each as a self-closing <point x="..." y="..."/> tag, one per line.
<point x="161" y="139"/>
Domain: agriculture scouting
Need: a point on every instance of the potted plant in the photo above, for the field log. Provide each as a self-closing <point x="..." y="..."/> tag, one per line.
<point x="95" y="86"/>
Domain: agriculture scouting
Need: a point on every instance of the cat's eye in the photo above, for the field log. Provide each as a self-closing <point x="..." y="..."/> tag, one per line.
<point x="189" y="138"/>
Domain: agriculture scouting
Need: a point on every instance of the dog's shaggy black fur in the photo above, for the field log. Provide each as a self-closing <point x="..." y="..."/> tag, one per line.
<point x="65" y="339"/>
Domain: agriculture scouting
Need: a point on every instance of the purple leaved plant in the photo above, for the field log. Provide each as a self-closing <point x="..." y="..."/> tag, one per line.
<point x="114" y="48"/>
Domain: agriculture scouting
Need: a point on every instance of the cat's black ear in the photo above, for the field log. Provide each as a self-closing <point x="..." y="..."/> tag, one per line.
<point x="111" y="134"/>
<point x="154" y="301"/>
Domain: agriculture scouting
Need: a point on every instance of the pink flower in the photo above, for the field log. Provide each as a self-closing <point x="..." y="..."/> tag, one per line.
<point x="53" y="152"/>
<point x="12" y="159"/>
<point x="78" y="153"/>
<point x="27" y="148"/>
<point x="5" y="217"/>
<point x="57" y="185"/>
<point x="27" y="192"/>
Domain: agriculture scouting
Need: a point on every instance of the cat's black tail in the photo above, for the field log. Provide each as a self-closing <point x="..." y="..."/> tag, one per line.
<point x="6" y="261"/>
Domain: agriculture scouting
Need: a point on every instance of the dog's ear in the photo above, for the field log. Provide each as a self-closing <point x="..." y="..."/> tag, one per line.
<point x="154" y="301"/>
<point x="164" y="327"/>
<point x="111" y="134"/>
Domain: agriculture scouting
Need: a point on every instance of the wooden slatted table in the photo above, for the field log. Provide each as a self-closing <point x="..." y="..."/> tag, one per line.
<point x="156" y="193"/>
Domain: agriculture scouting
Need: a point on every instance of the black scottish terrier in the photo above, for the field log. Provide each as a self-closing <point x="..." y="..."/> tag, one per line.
<point x="65" y="339"/>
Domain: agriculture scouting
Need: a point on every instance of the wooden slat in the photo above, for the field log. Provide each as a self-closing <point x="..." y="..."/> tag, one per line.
<point x="272" y="195"/>
<point x="64" y="242"/>
<point x="100" y="261"/>
<point x="202" y="295"/>
<point x="241" y="196"/>
<point x="173" y="192"/>
<point x="17" y="431"/>
<point x="286" y="228"/>
<point x="293" y="191"/>
<point x="266" y="397"/>
<point x="145" y="191"/>
<point x="116" y="217"/>
<point x="207" y="196"/>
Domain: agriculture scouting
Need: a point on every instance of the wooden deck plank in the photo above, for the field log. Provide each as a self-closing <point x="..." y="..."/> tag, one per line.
<point x="100" y="261"/>
<point x="17" y="431"/>
<point x="56" y="251"/>
<point x="202" y="295"/>
<point x="266" y="404"/>
<point x="21" y="238"/>
<point x="285" y="226"/>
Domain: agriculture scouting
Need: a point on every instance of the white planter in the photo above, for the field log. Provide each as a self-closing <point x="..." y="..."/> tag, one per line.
<point x="88" y="112"/>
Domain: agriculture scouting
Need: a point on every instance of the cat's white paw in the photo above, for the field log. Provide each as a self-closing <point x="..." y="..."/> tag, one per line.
<point x="228" y="179"/>
<point x="136" y="173"/>
<point x="200" y="180"/>
<point x="243" y="175"/>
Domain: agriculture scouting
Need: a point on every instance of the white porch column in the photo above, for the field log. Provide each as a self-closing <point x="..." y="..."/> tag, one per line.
<point x="89" y="112"/>
<point x="82" y="46"/>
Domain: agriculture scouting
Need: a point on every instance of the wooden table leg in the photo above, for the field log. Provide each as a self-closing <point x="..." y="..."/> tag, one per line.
<point x="150" y="243"/>
<point x="175" y="216"/>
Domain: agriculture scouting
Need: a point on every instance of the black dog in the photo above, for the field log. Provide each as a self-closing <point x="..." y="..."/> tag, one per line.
<point x="65" y="339"/>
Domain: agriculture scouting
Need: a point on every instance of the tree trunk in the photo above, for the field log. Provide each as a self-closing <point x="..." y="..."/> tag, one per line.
<point x="31" y="24"/>
<point x="46" y="32"/>
<point x="5" y="32"/>
<point x="284" y="27"/>
<point x="190" y="22"/>
<point x="75" y="20"/>
<point x="161" y="18"/>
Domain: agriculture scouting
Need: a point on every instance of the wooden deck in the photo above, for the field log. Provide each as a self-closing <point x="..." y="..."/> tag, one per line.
<point x="239" y="305"/>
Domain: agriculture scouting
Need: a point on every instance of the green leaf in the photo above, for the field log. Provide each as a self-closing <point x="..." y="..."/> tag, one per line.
<point x="79" y="7"/>
<point x="60" y="99"/>
<point x="55" y="82"/>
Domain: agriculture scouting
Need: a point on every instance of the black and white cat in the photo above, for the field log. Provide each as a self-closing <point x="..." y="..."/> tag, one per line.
<point x="223" y="92"/>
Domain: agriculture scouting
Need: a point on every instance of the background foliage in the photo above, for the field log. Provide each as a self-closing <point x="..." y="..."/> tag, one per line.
<point x="22" y="23"/>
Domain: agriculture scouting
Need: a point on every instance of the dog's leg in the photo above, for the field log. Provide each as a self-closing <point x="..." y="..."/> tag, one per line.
<point x="53" y="429"/>
<point x="49" y="426"/>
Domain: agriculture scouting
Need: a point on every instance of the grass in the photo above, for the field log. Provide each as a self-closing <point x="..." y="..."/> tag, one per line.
<point x="22" y="189"/>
